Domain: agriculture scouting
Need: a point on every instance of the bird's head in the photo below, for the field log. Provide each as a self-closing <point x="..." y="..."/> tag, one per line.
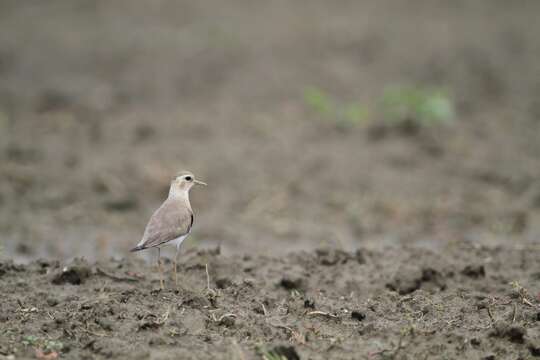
<point x="183" y="181"/>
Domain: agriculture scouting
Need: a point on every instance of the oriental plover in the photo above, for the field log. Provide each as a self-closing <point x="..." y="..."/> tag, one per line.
<point x="171" y="223"/>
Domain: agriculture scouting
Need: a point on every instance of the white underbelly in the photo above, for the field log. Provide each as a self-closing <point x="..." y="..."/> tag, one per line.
<point x="176" y="242"/>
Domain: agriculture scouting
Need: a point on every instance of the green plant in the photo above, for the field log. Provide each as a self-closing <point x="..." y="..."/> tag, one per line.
<point x="397" y="105"/>
<point x="344" y="115"/>
<point x="43" y="344"/>
<point x="51" y="345"/>
<point x="30" y="340"/>
<point x="318" y="101"/>
<point x="271" y="355"/>
<point x="426" y="107"/>
<point x="267" y="354"/>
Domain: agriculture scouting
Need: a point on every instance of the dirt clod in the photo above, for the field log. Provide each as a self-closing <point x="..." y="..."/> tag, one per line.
<point x="227" y="321"/>
<point x="223" y="283"/>
<point x="360" y="256"/>
<point x="474" y="271"/>
<point x="358" y="315"/>
<point x="75" y="273"/>
<point x="329" y="257"/>
<point x="309" y="304"/>
<point x="52" y="301"/>
<point x="534" y="348"/>
<point x="287" y="352"/>
<point x="513" y="333"/>
<point x="408" y="280"/>
<point x="290" y="283"/>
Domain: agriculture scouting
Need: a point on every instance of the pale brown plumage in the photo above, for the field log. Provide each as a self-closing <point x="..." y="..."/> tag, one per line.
<point x="171" y="223"/>
<point x="172" y="220"/>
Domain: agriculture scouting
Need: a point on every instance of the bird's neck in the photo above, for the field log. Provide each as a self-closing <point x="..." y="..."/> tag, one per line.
<point x="182" y="195"/>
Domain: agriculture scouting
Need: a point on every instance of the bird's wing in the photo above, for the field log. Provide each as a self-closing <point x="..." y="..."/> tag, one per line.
<point x="171" y="220"/>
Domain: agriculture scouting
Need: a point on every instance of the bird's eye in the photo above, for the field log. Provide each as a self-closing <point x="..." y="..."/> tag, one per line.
<point x="188" y="178"/>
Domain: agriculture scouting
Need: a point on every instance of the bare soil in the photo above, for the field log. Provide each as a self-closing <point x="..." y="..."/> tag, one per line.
<point x="367" y="241"/>
<point x="471" y="303"/>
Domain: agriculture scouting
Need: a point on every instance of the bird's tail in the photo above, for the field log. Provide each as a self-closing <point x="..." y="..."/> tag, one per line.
<point x="137" y="248"/>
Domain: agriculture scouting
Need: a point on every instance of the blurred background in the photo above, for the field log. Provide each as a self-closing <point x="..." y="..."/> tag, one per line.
<point x="315" y="123"/>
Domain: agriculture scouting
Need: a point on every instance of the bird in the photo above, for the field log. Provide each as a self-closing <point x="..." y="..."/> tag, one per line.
<point x="172" y="222"/>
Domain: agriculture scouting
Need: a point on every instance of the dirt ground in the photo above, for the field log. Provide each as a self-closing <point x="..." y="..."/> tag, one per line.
<point x="424" y="227"/>
<point x="403" y="303"/>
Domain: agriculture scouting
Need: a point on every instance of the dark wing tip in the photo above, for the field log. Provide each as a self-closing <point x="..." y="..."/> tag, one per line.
<point x="138" y="248"/>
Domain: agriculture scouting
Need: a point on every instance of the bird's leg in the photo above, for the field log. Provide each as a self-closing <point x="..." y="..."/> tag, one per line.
<point x="175" y="263"/>
<point x="161" y="285"/>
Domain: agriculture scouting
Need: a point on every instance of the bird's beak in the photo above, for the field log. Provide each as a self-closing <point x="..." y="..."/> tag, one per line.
<point x="199" y="182"/>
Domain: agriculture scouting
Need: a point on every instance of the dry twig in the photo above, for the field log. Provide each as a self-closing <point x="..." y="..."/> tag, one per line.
<point x="294" y="334"/>
<point x="208" y="288"/>
<point x="317" y="312"/>
<point x="264" y="309"/>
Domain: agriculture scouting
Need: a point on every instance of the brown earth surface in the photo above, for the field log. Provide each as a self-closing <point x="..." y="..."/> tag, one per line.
<point x="400" y="303"/>
<point x="425" y="227"/>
